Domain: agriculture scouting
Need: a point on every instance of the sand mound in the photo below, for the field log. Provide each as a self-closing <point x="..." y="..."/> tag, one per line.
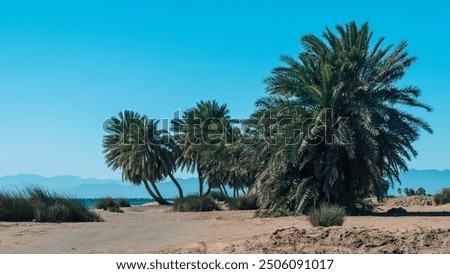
<point x="413" y="201"/>
<point x="156" y="229"/>
<point x="353" y="241"/>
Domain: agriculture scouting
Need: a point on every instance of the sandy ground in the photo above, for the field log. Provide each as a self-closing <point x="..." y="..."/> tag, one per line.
<point x="156" y="229"/>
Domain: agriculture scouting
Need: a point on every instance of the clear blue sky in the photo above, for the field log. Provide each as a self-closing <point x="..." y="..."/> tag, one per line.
<point x="66" y="66"/>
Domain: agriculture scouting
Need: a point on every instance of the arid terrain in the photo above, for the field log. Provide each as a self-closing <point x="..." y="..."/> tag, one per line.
<point x="156" y="229"/>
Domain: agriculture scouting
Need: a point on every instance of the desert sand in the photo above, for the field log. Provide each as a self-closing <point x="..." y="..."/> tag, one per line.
<point x="156" y="229"/>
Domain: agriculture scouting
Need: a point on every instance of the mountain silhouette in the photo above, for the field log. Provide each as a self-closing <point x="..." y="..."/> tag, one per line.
<point x="77" y="187"/>
<point x="431" y="179"/>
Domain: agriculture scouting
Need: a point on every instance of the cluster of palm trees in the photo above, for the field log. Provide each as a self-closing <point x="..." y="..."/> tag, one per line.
<point x="147" y="154"/>
<point x="333" y="127"/>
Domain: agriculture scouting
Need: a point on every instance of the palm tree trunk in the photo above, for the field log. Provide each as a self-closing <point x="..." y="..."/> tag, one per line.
<point x="164" y="201"/>
<point x="200" y="181"/>
<point x="243" y="191"/>
<point x="152" y="194"/>
<point x="221" y="190"/>
<point x="224" y="190"/>
<point x="209" y="190"/>
<point x="180" y="190"/>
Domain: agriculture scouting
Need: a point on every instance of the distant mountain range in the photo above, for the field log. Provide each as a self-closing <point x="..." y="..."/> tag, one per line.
<point x="77" y="187"/>
<point x="432" y="180"/>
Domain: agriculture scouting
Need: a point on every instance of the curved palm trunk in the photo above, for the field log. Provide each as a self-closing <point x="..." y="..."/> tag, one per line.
<point x="180" y="190"/>
<point x="155" y="194"/>
<point x="223" y="190"/>
<point x="164" y="201"/>
<point x="209" y="190"/>
<point x="243" y="190"/>
<point x="152" y="194"/>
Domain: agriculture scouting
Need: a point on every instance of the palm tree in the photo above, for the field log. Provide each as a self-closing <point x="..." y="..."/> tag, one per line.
<point x="201" y="131"/>
<point x="235" y="164"/>
<point x="144" y="153"/>
<point x="341" y="129"/>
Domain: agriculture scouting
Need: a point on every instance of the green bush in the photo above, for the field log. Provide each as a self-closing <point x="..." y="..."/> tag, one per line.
<point x="443" y="197"/>
<point x="42" y="206"/>
<point x="219" y="196"/>
<point x="327" y="215"/>
<point x="123" y="203"/>
<point x="109" y="204"/>
<point x="15" y="208"/>
<point x="249" y="202"/>
<point x="195" y="203"/>
<point x="50" y="207"/>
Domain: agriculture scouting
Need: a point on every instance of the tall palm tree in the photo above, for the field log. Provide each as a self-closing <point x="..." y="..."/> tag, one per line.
<point x="201" y="131"/>
<point x="144" y="153"/>
<point x="341" y="129"/>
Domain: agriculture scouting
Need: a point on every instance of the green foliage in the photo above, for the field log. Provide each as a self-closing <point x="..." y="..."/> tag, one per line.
<point x="51" y="207"/>
<point x="421" y="191"/>
<point x="443" y="197"/>
<point x="144" y="153"/>
<point x="123" y="203"/>
<point x="219" y="196"/>
<point x="40" y="205"/>
<point x="15" y="208"/>
<point x="237" y="164"/>
<point x="202" y="131"/>
<point x="327" y="215"/>
<point x="248" y="202"/>
<point x="109" y="204"/>
<point x="409" y="192"/>
<point x="334" y="121"/>
<point x="195" y="203"/>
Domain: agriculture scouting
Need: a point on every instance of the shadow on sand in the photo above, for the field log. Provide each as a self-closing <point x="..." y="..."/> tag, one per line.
<point x="408" y="214"/>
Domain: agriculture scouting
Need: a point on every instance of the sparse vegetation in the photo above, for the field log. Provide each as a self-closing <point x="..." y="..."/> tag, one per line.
<point x="327" y="215"/>
<point x="248" y="202"/>
<point x="123" y="203"/>
<point x="109" y="204"/>
<point x="195" y="203"/>
<point x="443" y="197"/>
<point x="411" y="192"/>
<point x="219" y="196"/>
<point x="279" y="212"/>
<point x="51" y="207"/>
<point x="40" y="205"/>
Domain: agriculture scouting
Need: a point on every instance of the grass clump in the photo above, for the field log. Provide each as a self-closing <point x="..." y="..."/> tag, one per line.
<point x="109" y="204"/>
<point x="249" y="202"/>
<point x="123" y="203"/>
<point x="443" y="197"/>
<point x="15" y="208"/>
<point x="195" y="203"/>
<point x="51" y="207"/>
<point x="327" y="215"/>
<point x="40" y="205"/>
